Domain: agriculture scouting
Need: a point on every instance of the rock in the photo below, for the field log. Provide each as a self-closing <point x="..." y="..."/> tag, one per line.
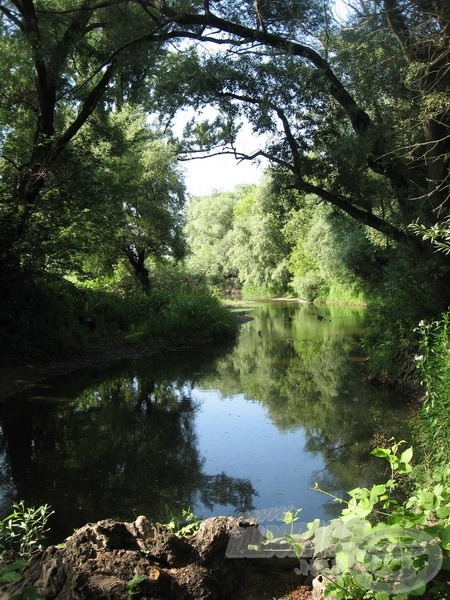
<point x="214" y="534"/>
<point x="318" y="588"/>
<point x="112" y="560"/>
<point x="167" y="549"/>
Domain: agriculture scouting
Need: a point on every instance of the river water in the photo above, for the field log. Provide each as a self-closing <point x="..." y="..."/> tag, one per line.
<point x="219" y="429"/>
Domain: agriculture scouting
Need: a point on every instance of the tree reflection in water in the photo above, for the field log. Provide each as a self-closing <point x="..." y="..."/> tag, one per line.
<point x="125" y="445"/>
<point x="122" y="440"/>
<point x="309" y="374"/>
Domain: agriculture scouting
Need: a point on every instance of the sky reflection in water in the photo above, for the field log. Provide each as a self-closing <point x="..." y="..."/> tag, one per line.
<point x="217" y="429"/>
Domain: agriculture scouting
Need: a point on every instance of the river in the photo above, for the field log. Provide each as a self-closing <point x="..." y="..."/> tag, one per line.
<point x="219" y="429"/>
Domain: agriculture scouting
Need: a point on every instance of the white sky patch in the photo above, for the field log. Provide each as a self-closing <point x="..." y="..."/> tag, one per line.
<point x="224" y="173"/>
<point x="221" y="173"/>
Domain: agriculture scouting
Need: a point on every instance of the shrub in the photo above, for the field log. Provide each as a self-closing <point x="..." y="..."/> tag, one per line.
<point x="433" y="360"/>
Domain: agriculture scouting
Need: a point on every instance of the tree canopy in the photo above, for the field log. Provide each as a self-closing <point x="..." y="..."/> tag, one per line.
<point x="354" y="114"/>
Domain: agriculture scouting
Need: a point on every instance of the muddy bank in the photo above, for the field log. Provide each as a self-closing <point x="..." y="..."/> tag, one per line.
<point x="20" y="372"/>
<point x="118" y="561"/>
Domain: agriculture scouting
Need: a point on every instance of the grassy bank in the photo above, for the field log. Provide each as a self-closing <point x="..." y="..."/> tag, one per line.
<point x="47" y="315"/>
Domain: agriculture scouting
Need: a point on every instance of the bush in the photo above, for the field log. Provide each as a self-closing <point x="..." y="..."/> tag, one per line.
<point x="433" y="360"/>
<point x="310" y="287"/>
<point x="193" y="314"/>
<point x="50" y="314"/>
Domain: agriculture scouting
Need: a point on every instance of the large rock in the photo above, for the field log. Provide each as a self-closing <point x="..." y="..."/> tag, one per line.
<point x="112" y="560"/>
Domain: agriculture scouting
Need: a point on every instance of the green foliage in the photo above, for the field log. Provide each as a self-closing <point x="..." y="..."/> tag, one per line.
<point x="193" y="314"/>
<point x="12" y="572"/>
<point x="42" y="314"/>
<point x="27" y="593"/>
<point x="187" y="526"/>
<point x="209" y="223"/>
<point x="133" y="586"/>
<point x="24" y="529"/>
<point x="383" y="549"/>
<point x="269" y="242"/>
<point x="438" y="234"/>
<point x="51" y="314"/>
<point x="408" y="292"/>
<point x="433" y="361"/>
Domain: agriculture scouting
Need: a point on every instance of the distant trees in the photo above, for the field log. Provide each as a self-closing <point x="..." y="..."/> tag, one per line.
<point x="266" y="241"/>
<point x="356" y="117"/>
<point x="235" y="241"/>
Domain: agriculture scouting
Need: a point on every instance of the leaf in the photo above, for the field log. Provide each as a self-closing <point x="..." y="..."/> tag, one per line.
<point x="10" y="577"/>
<point x="381" y="596"/>
<point x="381" y="452"/>
<point x="14" y="566"/>
<point x="419" y="591"/>
<point x="444" y="536"/>
<point x="406" y="455"/>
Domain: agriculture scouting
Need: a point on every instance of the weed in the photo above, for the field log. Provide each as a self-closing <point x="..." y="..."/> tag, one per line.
<point x="186" y="526"/>
<point x="24" y="529"/>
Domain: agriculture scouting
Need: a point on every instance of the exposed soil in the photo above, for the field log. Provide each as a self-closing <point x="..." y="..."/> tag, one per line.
<point x="118" y="561"/>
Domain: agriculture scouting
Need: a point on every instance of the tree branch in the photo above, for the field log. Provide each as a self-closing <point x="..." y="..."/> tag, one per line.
<point x="359" y="119"/>
<point x="363" y="216"/>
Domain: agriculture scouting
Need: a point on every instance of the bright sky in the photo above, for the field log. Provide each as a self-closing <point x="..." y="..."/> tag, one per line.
<point x="219" y="173"/>
<point x="224" y="173"/>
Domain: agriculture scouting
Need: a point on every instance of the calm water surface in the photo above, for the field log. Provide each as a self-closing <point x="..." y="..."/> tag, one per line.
<point x="216" y="429"/>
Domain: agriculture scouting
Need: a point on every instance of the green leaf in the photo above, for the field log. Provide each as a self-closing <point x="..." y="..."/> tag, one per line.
<point x="444" y="536"/>
<point x="381" y="452"/>
<point x="420" y="591"/>
<point x="10" y="577"/>
<point x="406" y="455"/>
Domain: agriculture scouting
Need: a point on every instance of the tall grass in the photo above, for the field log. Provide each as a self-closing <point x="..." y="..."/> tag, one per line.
<point x="434" y="364"/>
<point x="344" y="293"/>
<point x="50" y="314"/>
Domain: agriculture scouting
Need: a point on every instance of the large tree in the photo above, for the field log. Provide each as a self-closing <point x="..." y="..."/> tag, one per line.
<point x="355" y="115"/>
<point x="337" y="124"/>
<point x="59" y="64"/>
<point x="310" y="98"/>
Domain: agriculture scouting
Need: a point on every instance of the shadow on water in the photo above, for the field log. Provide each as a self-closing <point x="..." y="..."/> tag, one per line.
<point x="219" y="430"/>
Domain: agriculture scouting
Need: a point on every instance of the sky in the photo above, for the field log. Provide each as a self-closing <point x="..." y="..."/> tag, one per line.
<point x="219" y="173"/>
<point x="224" y="173"/>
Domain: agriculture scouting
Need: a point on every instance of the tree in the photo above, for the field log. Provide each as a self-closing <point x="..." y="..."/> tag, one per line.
<point x="60" y="65"/>
<point x="258" y="250"/>
<point x="337" y="126"/>
<point x="209" y="225"/>
<point x="286" y="67"/>
<point x="149" y="188"/>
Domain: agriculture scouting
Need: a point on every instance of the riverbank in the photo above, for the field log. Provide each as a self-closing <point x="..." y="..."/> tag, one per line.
<point x="21" y="372"/>
<point x="118" y="561"/>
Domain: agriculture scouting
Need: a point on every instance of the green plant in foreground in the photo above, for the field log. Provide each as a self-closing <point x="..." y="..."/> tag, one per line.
<point x="132" y="585"/>
<point x="24" y="529"/>
<point x="384" y="549"/>
<point x="186" y="526"/>
<point x="380" y="548"/>
<point x="433" y="362"/>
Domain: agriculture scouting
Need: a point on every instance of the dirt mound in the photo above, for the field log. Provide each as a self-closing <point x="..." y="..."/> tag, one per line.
<point x="122" y="561"/>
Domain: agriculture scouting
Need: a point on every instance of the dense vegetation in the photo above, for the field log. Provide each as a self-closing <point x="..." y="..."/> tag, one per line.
<point x="352" y="114"/>
<point x="266" y="241"/>
<point x="352" y="117"/>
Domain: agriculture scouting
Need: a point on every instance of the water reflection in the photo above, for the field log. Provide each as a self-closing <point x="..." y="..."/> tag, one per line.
<point x="124" y="445"/>
<point x="308" y="373"/>
<point x="218" y="430"/>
